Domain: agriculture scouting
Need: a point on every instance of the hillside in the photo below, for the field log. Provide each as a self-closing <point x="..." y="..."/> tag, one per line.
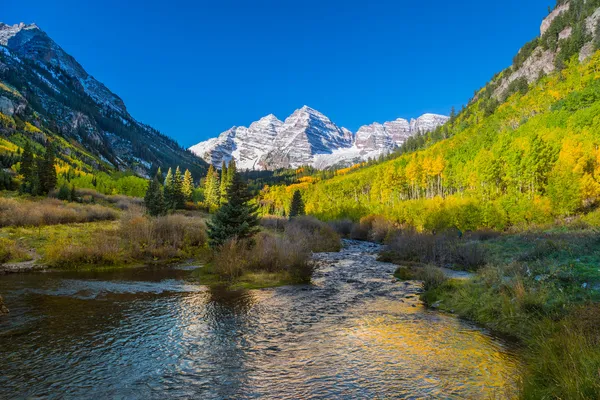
<point x="524" y="154"/>
<point x="46" y="95"/>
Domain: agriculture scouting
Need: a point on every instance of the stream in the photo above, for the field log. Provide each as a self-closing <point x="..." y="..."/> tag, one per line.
<point x="155" y="333"/>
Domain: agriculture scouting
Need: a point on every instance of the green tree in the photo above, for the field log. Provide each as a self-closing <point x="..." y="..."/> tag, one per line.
<point x="168" y="195"/>
<point x="297" y="205"/>
<point x="211" y="188"/>
<point x="236" y="218"/>
<point x="188" y="185"/>
<point x="154" y="201"/>
<point x="47" y="173"/>
<point x="27" y="169"/>
<point x="177" y="188"/>
<point x="224" y="183"/>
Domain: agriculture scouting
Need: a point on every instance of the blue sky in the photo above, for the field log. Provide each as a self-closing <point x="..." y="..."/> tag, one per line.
<point x="195" y="68"/>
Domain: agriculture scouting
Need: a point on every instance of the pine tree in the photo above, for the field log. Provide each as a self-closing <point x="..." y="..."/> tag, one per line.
<point x="297" y="205"/>
<point x="154" y="200"/>
<point x="177" y="187"/>
<point x="188" y="185"/>
<point x="27" y="168"/>
<point x="168" y="190"/>
<point x="236" y="218"/>
<point x="211" y="188"/>
<point x="231" y="171"/>
<point x="224" y="184"/>
<point x="47" y="172"/>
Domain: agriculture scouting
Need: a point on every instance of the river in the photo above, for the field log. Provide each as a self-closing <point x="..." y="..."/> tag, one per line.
<point x="146" y="333"/>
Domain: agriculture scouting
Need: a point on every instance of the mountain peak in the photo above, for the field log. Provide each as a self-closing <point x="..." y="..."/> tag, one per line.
<point x="7" y="32"/>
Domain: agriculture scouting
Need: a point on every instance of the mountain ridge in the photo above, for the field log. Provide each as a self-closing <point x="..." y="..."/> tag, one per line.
<point x="308" y="137"/>
<point x="43" y="85"/>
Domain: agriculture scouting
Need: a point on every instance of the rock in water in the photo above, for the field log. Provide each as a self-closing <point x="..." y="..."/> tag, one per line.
<point x="3" y="308"/>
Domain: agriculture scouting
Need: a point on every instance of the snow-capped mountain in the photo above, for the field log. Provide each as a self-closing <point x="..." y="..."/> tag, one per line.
<point x="307" y="137"/>
<point x="43" y="85"/>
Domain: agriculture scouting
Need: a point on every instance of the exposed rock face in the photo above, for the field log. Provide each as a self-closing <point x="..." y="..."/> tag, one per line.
<point x="550" y="18"/>
<point x="304" y="134"/>
<point x="543" y="61"/>
<point x="79" y="107"/>
<point x="539" y="62"/>
<point x="308" y="137"/>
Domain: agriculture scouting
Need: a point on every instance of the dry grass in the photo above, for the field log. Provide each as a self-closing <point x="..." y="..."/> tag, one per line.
<point x="273" y="222"/>
<point x="273" y="252"/>
<point x="11" y="251"/>
<point x="101" y="248"/>
<point x="50" y="212"/>
<point x="445" y="249"/>
<point x="313" y="235"/>
<point x="89" y="196"/>
<point x="162" y="238"/>
<point x="265" y="253"/>
<point x="375" y="228"/>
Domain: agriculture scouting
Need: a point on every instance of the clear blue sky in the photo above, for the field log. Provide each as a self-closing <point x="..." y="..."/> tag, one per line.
<point x="195" y="68"/>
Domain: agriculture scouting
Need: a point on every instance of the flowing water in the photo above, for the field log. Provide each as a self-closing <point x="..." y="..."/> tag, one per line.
<point x="149" y="333"/>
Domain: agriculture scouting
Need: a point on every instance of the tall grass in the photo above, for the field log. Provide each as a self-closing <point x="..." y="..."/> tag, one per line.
<point x="286" y="248"/>
<point x="11" y="251"/>
<point x="137" y="238"/>
<point x="50" y="212"/>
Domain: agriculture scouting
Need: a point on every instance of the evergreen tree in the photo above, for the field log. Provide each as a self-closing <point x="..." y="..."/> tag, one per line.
<point x="224" y="183"/>
<point x="27" y="168"/>
<point x="47" y="172"/>
<point x="177" y="187"/>
<point x="154" y="200"/>
<point x="73" y="194"/>
<point x="211" y="188"/>
<point x="297" y="205"/>
<point x="168" y="190"/>
<point x="159" y="175"/>
<point x="231" y="171"/>
<point x="188" y="185"/>
<point x="64" y="193"/>
<point x="236" y="218"/>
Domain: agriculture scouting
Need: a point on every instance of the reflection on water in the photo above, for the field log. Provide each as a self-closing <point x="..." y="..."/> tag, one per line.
<point x="154" y="333"/>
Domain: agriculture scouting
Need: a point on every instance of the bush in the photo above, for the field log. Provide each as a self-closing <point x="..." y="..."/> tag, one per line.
<point x="273" y="222"/>
<point x="99" y="249"/>
<point x="312" y="234"/>
<point x="417" y="247"/>
<point x="469" y="256"/>
<point x="372" y="227"/>
<point x="343" y="227"/>
<point x="50" y="212"/>
<point x="267" y="253"/>
<point x="162" y="238"/>
<point x="9" y="250"/>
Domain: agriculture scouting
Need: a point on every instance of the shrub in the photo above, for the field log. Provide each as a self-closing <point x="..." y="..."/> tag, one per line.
<point x="540" y="250"/>
<point x="171" y="236"/>
<point x="312" y="234"/>
<point x="9" y="250"/>
<point x="273" y="222"/>
<point x="343" y="227"/>
<point x="423" y="248"/>
<point x="469" y="256"/>
<point x="231" y="259"/>
<point x="372" y="227"/>
<point x="100" y="248"/>
<point x="50" y="212"/>
<point x="431" y="276"/>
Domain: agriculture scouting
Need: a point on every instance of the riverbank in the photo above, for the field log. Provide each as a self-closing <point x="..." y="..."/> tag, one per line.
<point x="541" y="287"/>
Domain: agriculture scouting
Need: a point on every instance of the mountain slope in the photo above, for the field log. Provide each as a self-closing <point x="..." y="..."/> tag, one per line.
<point x="528" y="156"/>
<point x="42" y="85"/>
<point x="307" y="137"/>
